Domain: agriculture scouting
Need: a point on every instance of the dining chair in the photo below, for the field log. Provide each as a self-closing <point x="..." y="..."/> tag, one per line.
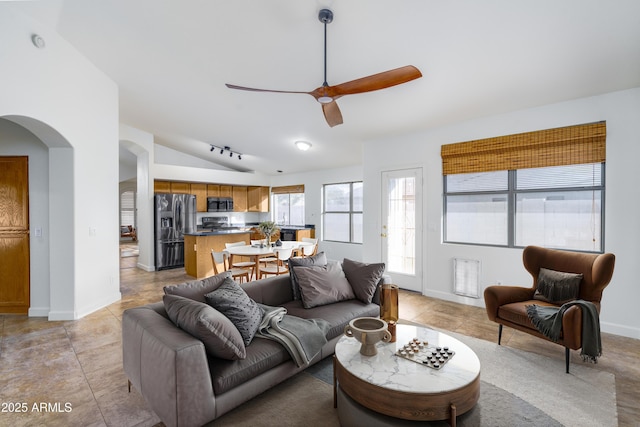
<point x="310" y="247"/>
<point x="241" y="264"/>
<point x="278" y="267"/>
<point x="223" y="258"/>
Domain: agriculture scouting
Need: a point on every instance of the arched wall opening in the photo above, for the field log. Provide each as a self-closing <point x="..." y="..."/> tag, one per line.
<point x="51" y="200"/>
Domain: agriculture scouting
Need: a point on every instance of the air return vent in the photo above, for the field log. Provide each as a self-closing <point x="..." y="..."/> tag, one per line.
<point x="466" y="277"/>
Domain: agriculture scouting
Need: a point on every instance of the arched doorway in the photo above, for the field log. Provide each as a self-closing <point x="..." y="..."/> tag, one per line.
<point x="50" y="182"/>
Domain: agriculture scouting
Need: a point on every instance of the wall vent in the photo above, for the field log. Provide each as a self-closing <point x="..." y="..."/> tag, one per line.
<point x="466" y="277"/>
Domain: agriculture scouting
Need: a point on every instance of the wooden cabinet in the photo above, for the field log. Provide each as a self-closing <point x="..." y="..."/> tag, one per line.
<point x="245" y="199"/>
<point x="162" y="186"/>
<point x="213" y="190"/>
<point x="180" y="187"/>
<point x="258" y="199"/>
<point x="303" y="233"/>
<point x="197" y="252"/>
<point x="200" y="191"/>
<point x="226" y="190"/>
<point x="239" y="195"/>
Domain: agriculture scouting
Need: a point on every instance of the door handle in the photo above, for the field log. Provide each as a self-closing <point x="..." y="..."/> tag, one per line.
<point x="383" y="234"/>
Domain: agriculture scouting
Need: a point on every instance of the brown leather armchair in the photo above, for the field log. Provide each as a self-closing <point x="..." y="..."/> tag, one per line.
<point x="506" y="304"/>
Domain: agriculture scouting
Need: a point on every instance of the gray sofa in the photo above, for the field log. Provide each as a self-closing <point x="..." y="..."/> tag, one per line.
<point x="186" y="386"/>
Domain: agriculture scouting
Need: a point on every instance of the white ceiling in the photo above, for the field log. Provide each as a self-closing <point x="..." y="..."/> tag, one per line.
<point x="171" y="60"/>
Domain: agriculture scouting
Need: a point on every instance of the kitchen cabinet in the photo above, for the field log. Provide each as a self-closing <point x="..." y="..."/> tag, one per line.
<point x="197" y="252"/>
<point x="226" y="191"/>
<point x="258" y="199"/>
<point x="200" y="191"/>
<point x="213" y="190"/>
<point x="162" y="186"/>
<point x="180" y="187"/>
<point x="239" y="199"/>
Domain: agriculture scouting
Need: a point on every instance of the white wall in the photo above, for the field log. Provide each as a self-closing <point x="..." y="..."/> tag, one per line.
<point x="73" y="108"/>
<point x="621" y="110"/>
<point x="313" y="182"/>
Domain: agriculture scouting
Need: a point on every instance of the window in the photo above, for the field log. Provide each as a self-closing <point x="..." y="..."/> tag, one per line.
<point x="541" y="188"/>
<point x="127" y="209"/>
<point x="288" y="205"/>
<point x="342" y="216"/>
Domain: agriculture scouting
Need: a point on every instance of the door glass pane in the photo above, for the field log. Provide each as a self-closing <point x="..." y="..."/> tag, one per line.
<point x="401" y="225"/>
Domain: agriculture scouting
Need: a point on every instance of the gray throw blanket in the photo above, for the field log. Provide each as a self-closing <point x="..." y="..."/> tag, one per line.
<point x="548" y="320"/>
<point x="303" y="338"/>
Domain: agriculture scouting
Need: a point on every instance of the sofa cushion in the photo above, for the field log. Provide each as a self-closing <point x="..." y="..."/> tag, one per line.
<point x="317" y="259"/>
<point x="196" y="289"/>
<point x="338" y="315"/>
<point x="233" y="302"/>
<point x="363" y="278"/>
<point x="219" y="336"/>
<point x="557" y="287"/>
<point x="321" y="285"/>
<point x="262" y="355"/>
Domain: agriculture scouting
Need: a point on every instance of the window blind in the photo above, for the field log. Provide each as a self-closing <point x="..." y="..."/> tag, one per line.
<point x="288" y="189"/>
<point x="551" y="147"/>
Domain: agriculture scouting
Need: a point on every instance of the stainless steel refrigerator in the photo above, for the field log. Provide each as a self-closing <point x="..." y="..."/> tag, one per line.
<point x="175" y="214"/>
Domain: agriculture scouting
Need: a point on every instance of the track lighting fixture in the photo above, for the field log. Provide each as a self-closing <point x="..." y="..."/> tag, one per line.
<point x="226" y="149"/>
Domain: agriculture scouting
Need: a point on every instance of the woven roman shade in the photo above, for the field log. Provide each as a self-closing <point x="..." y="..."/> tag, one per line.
<point x="288" y="189"/>
<point x="552" y="147"/>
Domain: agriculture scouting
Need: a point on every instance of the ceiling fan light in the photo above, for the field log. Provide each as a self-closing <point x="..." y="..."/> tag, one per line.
<point x="303" y="145"/>
<point x="325" y="99"/>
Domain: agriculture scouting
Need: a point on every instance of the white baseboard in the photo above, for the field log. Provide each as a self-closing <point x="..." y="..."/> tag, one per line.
<point x="145" y="267"/>
<point x="38" y="312"/>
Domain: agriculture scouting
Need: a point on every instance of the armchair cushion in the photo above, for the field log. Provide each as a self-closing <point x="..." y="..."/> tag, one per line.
<point x="557" y="287"/>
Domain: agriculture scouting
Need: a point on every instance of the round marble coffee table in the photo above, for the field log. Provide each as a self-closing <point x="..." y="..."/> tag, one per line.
<point x="391" y="385"/>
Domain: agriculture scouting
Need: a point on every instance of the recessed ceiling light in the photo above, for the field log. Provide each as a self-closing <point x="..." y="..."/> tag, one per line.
<point x="303" y="145"/>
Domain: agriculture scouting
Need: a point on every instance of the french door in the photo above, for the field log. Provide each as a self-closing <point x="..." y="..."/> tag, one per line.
<point x="401" y="232"/>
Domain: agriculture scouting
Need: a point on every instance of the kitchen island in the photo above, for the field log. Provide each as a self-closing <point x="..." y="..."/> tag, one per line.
<point x="198" y="246"/>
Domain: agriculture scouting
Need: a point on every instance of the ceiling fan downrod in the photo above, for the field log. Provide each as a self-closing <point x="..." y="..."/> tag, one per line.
<point x="326" y="17"/>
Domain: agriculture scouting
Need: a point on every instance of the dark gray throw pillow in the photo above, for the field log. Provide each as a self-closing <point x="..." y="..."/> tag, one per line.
<point x="196" y="289"/>
<point x="557" y="287"/>
<point x="319" y="259"/>
<point x="219" y="336"/>
<point x="232" y="301"/>
<point x="321" y="285"/>
<point x="363" y="278"/>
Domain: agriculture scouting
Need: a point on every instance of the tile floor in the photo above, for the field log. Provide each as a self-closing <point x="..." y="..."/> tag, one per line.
<point x="70" y="373"/>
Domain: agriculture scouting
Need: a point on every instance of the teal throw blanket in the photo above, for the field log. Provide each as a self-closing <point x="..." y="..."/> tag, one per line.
<point x="548" y="320"/>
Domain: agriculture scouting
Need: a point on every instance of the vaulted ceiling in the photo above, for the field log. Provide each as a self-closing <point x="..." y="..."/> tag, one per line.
<point x="171" y="60"/>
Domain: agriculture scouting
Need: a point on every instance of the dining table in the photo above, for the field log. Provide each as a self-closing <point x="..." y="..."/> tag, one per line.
<point x="255" y="252"/>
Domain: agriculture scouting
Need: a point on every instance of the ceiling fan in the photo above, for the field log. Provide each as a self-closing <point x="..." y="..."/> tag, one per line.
<point x="327" y="95"/>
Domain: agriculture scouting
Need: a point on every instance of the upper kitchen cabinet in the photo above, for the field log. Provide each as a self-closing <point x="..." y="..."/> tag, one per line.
<point x="162" y="186"/>
<point x="200" y="191"/>
<point x="258" y="199"/>
<point x="213" y="190"/>
<point x="180" y="187"/>
<point x="227" y="191"/>
<point x="239" y="195"/>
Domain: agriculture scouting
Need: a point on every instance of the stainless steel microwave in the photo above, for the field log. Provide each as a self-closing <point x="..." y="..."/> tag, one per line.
<point x="219" y="204"/>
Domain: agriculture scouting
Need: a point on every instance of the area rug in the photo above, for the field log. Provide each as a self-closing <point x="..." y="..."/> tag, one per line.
<point x="518" y="388"/>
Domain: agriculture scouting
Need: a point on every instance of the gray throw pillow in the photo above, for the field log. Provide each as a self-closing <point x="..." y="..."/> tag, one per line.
<point x="317" y="259"/>
<point x="557" y="287"/>
<point x="232" y="301"/>
<point x="196" y="289"/>
<point x="219" y="336"/>
<point x="363" y="278"/>
<point x="321" y="285"/>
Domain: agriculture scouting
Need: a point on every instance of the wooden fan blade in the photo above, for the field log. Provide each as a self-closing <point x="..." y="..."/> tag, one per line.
<point x="374" y="82"/>
<point x="332" y="113"/>
<point x="251" y="89"/>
